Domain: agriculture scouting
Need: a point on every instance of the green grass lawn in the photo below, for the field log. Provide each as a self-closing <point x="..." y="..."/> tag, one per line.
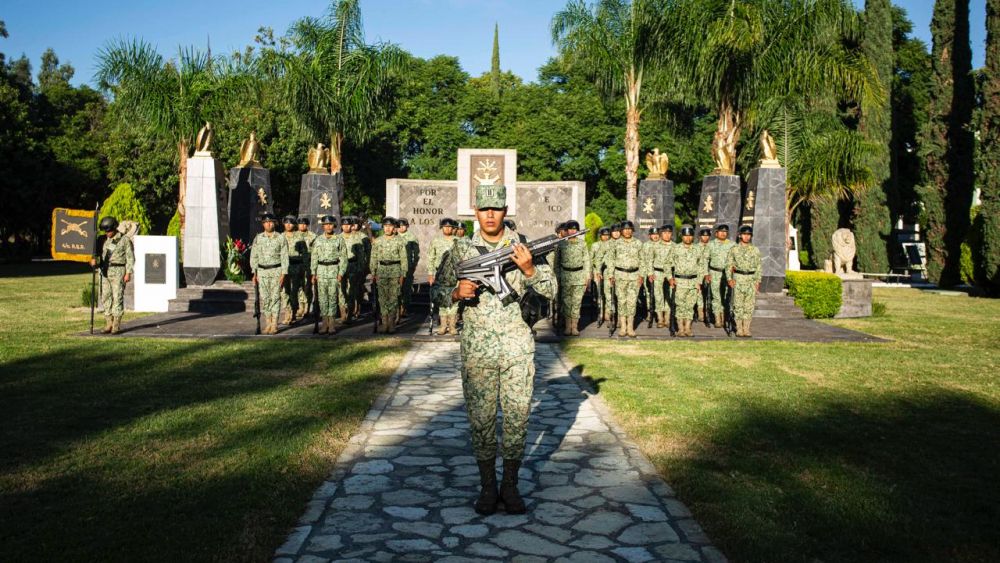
<point x="129" y="449"/>
<point x="826" y="452"/>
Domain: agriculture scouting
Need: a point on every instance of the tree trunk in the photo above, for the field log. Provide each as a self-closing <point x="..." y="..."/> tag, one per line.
<point x="632" y="117"/>
<point x="336" y="145"/>
<point x="182" y="154"/>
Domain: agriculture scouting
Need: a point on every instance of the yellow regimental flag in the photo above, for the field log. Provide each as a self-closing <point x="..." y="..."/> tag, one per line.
<point x="74" y="233"/>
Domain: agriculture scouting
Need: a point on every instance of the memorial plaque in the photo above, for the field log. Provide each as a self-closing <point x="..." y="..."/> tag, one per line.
<point x="423" y="203"/>
<point x="249" y="198"/>
<point x="156" y="269"/>
<point x="543" y="205"/>
<point x="720" y="201"/>
<point x="74" y="232"/>
<point x="319" y="195"/>
<point x="766" y="203"/>
<point x="655" y="205"/>
<point x="486" y="167"/>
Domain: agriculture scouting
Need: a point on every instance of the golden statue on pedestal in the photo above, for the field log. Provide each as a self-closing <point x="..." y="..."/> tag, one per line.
<point x="723" y="156"/>
<point x="319" y="159"/>
<point x="768" y="151"/>
<point x="658" y="164"/>
<point x="249" y="152"/>
<point x="203" y="142"/>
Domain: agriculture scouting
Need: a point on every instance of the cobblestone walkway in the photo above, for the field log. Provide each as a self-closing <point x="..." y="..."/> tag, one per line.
<point x="403" y="489"/>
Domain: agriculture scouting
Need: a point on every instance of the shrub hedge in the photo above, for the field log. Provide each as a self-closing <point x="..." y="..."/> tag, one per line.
<point x="818" y="294"/>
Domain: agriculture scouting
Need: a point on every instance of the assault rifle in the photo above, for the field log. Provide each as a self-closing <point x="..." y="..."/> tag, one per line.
<point x="375" y="316"/>
<point x="729" y="322"/>
<point x="706" y="302"/>
<point x="651" y="301"/>
<point x="604" y="304"/>
<point x="672" y="292"/>
<point x="315" y="307"/>
<point x="488" y="268"/>
<point x="256" y="303"/>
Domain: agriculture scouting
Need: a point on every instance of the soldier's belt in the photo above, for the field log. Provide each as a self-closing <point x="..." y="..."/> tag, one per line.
<point x="714" y="269"/>
<point x="116" y="265"/>
<point x="679" y="276"/>
<point x="745" y="272"/>
<point x="388" y="262"/>
<point x="328" y="263"/>
<point x="565" y="269"/>
<point x="295" y="260"/>
<point x="268" y="266"/>
<point x="661" y="270"/>
<point x="354" y="259"/>
<point x="628" y="270"/>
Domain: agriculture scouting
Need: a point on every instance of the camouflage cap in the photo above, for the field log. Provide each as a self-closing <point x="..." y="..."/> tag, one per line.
<point x="491" y="197"/>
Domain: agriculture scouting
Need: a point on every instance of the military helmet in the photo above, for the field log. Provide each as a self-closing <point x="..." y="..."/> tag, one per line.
<point x="108" y="224"/>
<point x="616" y="227"/>
<point x="746" y="229"/>
<point x="572" y="224"/>
<point x="653" y="230"/>
<point x="604" y="231"/>
<point x="402" y="222"/>
<point x="722" y="227"/>
<point x="290" y="219"/>
<point x="628" y="225"/>
<point x="705" y="231"/>
<point x="666" y="229"/>
<point x="687" y="230"/>
<point x="445" y="222"/>
<point x="327" y="220"/>
<point x="389" y="221"/>
<point x="268" y="217"/>
<point x="559" y="227"/>
<point x="303" y="220"/>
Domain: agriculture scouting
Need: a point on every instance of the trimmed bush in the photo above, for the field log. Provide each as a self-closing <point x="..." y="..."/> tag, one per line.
<point x="818" y="294"/>
<point x="593" y="222"/>
<point x="879" y="309"/>
<point x="123" y="205"/>
<point x="88" y="295"/>
<point x="174" y="230"/>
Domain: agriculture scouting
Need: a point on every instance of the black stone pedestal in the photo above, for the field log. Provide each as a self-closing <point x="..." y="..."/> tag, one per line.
<point x="321" y="194"/>
<point x="720" y="201"/>
<point x="766" y="203"/>
<point x="655" y="205"/>
<point x="249" y="198"/>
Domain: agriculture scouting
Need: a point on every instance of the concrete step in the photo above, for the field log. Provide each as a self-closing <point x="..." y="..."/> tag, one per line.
<point x="220" y="297"/>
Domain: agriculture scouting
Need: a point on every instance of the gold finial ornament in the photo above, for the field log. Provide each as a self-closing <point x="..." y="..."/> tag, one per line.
<point x="319" y="159"/>
<point x="250" y="152"/>
<point x="658" y="164"/>
<point x="724" y="165"/>
<point x="768" y="151"/>
<point x="203" y="142"/>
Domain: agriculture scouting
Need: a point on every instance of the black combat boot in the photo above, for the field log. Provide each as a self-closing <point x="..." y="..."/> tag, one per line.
<point x="512" y="501"/>
<point x="487" y="502"/>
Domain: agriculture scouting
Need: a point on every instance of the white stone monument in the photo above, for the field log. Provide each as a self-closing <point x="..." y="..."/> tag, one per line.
<point x="155" y="274"/>
<point x="205" y="223"/>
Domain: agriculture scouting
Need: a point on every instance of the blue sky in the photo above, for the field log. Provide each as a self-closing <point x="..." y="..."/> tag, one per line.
<point x="462" y="28"/>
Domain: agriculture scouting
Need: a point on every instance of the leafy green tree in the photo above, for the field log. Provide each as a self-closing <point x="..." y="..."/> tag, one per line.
<point x="948" y="145"/>
<point x="989" y="154"/>
<point x="621" y="45"/>
<point x="123" y="205"/>
<point x="911" y="82"/>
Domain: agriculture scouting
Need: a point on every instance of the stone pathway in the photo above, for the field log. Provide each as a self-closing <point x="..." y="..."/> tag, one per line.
<point x="403" y="489"/>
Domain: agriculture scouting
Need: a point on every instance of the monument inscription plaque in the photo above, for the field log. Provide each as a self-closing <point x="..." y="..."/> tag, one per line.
<point x="543" y="205"/>
<point x="156" y="268"/>
<point x="423" y="203"/>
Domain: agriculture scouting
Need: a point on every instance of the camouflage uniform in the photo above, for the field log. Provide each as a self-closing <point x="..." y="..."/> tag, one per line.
<point x="388" y="263"/>
<point x="305" y="288"/>
<point x="705" y="248"/>
<point x="269" y="261"/>
<point x="689" y="271"/>
<point x="599" y="252"/>
<point x="626" y="269"/>
<point x="660" y="270"/>
<point x="497" y="353"/>
<point x="297" y="252"/>
<point x="354" y="275"/>
<point x="573" y="270"/>
<point x="435" y="254"/>
<point x="328" y="262"/>
<point x="718" y="252"/>
<point x="648" y="254"/>
<point x="744" y="263"/>
<point x="413" y="255"/>
<point x="117" y="259"/>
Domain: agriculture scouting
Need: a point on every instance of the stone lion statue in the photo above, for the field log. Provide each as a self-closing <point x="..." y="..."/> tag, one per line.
<point x="844" y="251"/>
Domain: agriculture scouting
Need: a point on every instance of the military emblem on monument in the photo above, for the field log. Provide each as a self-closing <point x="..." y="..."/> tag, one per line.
<point x="658" y="164"/>
<point x="319" y="159"/>
<point x="647" y="206"/>
<point x="709" y="205"/>
<point x="325" y="202"/>
<point x="261" y="196"/>
<point x="486" y="173"/>
<point x="486" y="167"/>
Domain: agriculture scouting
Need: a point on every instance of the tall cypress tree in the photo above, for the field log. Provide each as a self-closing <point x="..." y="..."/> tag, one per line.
<point x="989" y="156"/>
<point x="495" y="67"/>
<point x="872" y="210"/>
<point x="948" y="144"/>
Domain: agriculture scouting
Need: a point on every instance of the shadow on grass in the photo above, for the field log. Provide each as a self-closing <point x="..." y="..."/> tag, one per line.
<point x="888" y="479"/>
<point x="151" y="451"/>
<point x="43" y="269"/>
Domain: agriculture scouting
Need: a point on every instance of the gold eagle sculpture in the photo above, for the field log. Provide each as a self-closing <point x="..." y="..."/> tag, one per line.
<point x="319" y="159"/>
<point x="658" y="164"/>
<point x="250" y="152"/>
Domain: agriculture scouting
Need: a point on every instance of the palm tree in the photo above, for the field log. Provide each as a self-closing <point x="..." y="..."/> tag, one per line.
<point x="621" y="45"/>
<point x="168" y="99"/>
<point x="335" y="83"/>
<point x="748" y="58"/>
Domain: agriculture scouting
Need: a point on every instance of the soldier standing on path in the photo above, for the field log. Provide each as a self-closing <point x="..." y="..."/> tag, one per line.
<point x="627" y="276"/>
<point x="305" y="288"/>
<point x="648" y="250"/>
<point x="718" y="253"/>
<point x="116" y="260"/>
<point x="269" y="264"/>
<point x="388" y="264"/>
<point x="659" y="273"/>
<point x="574" y="276"/>
<point x="409" y="240"/>
<point x="744" y="265"/>
<point x="704" y="241"/>
<point x="689" y="269"/>
<point x="598" y="250"/>
<point x="441" y="246"/>
<point x="355" y="257"/>
<point x="293" y="280"/>
<point x="328" y="263"/>
<point x="497" y="350"/>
